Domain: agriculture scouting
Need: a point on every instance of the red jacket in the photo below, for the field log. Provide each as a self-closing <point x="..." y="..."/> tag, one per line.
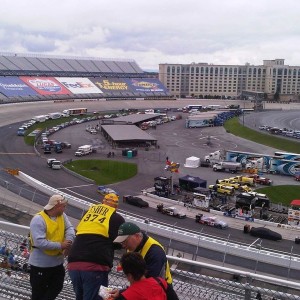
<point x="146" y="289"/>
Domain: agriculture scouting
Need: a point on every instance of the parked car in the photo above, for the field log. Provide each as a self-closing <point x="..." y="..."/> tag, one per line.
<point x="66" y="145"/>
<point x="211" y="221"/>
<point x="136" y="201"/>
<point x="53" y="163"/>
<point x="265" y="233"/>
<point x="103" y="190"/>
<point x="170" y="211"/>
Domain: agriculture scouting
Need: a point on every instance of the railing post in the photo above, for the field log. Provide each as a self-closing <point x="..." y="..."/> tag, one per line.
<point x="248" y="288"/>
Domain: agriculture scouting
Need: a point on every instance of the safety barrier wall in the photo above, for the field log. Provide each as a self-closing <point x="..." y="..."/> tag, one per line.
<point x="256" y="254"/>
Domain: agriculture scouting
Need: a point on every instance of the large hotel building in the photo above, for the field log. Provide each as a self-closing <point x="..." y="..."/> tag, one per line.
<point x="201" y="80"/>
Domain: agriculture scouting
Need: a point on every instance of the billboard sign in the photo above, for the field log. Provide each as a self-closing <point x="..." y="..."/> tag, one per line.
<point x="79" y="85"/>
<point x="145" y="85"/>
<point x="13" y="87"/>
<point x="110" y="84"/>
<point x="45" y="85"/>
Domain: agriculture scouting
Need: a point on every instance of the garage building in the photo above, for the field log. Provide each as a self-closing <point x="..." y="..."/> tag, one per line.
<point x="123" y="136"/>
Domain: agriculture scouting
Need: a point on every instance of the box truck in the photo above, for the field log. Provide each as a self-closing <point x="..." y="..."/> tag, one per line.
<point x="84" y="150"/>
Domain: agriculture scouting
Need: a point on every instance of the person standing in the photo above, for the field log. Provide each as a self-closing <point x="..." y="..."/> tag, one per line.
<point x="91" y="257"/>
<point x="51" y="236"/>
<point x="133" y="239"/>
<point x="134" y="267"/>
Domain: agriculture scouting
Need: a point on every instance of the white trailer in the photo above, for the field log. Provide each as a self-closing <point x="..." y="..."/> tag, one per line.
<point x="55" y="115"/>
<point x="41" y="118"/>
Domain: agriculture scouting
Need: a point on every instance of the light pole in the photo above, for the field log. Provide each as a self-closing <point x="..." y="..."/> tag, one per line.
<point x="244" y="114"/>
<point x="257" y="255"/>
<point x="224" y="258"/>
<point x="173" y="228"/>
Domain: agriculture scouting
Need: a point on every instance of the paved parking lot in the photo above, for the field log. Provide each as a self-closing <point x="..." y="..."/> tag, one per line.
<point x="175" y="142"/>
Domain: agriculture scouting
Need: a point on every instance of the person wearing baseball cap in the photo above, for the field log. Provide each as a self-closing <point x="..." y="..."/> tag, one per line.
<point x="111" y="199"/>
<point x="133" y="239"/>
<point x="91" y="257"/>
<point x="51" y="236"/>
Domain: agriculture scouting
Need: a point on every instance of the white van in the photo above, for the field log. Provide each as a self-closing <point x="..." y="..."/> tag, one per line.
<point x="84" y="150"/>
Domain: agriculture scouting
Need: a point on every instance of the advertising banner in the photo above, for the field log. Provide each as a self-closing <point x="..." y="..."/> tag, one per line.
<point x="110" y="84"/>
<point x="45" y="85"/>
<point x="145" y="85"/>
<point x="79" y="85"/>
<point x="13" y="86"/>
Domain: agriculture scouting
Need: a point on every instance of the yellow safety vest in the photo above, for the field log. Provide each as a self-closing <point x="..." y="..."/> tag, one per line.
<point x="55" y="232"/>
<point x="144" y="251"/>
<point x="96" y="220"/>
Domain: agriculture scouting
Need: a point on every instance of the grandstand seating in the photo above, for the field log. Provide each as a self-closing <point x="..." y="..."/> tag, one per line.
<point x="114" y="79"/>
<point x="14" y="64"/>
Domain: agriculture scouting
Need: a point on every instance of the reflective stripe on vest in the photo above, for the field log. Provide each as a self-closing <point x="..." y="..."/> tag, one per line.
<point x="150" y="241"/>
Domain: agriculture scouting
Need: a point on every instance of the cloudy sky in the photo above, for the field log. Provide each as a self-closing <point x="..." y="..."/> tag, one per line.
<point x="156" y="31"/>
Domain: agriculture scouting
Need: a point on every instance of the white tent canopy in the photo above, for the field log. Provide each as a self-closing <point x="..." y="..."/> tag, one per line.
<point x="192" y="162"/>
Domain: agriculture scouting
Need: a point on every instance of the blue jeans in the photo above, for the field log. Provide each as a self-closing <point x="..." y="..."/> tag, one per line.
<point x="87" y="284"/>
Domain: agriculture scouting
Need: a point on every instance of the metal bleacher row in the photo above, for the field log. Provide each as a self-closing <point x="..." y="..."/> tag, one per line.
<point x="15" y="284"/>
<point x="17" y="65"/>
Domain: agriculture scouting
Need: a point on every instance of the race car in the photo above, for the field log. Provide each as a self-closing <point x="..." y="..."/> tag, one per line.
<point x="265" y="233"/>
<point x="136" y="201"/>
<point x="211" y="221"/>
<point x="170" y="211"/>
<point x="103" y="190"/>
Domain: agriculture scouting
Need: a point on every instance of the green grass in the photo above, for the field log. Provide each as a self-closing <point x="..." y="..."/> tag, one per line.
<point x="103" y="171"/>
<point x="281" y="194"/>
<point x="233" y="126"/>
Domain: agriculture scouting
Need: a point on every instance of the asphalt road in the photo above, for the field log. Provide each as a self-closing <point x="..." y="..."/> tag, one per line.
<point x="175" y="141"/>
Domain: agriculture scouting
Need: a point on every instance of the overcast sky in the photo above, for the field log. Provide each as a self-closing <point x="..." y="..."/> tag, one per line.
<point x="155" y="31"/>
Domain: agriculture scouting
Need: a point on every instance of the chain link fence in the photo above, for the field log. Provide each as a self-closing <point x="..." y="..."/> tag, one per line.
<point x="206" y="282"/>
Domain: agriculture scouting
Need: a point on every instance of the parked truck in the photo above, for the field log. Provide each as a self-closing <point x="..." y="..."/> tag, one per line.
<point x="229" y="166"/>
<point x="243" y="180"/>
<point x="57" y="147"/>
<point x="84" y="150"/>
<point x="214" y="156"/>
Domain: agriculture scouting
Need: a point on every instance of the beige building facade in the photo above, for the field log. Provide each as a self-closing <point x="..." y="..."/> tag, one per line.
<point x="202" y="80"/>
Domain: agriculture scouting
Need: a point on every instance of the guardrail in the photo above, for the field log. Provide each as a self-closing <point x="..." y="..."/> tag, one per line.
<point x="278" y="259"/>
<point x="206" y="281"/>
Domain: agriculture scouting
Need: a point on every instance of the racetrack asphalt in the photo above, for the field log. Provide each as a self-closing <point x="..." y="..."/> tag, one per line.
<point x="176" y="142"/>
